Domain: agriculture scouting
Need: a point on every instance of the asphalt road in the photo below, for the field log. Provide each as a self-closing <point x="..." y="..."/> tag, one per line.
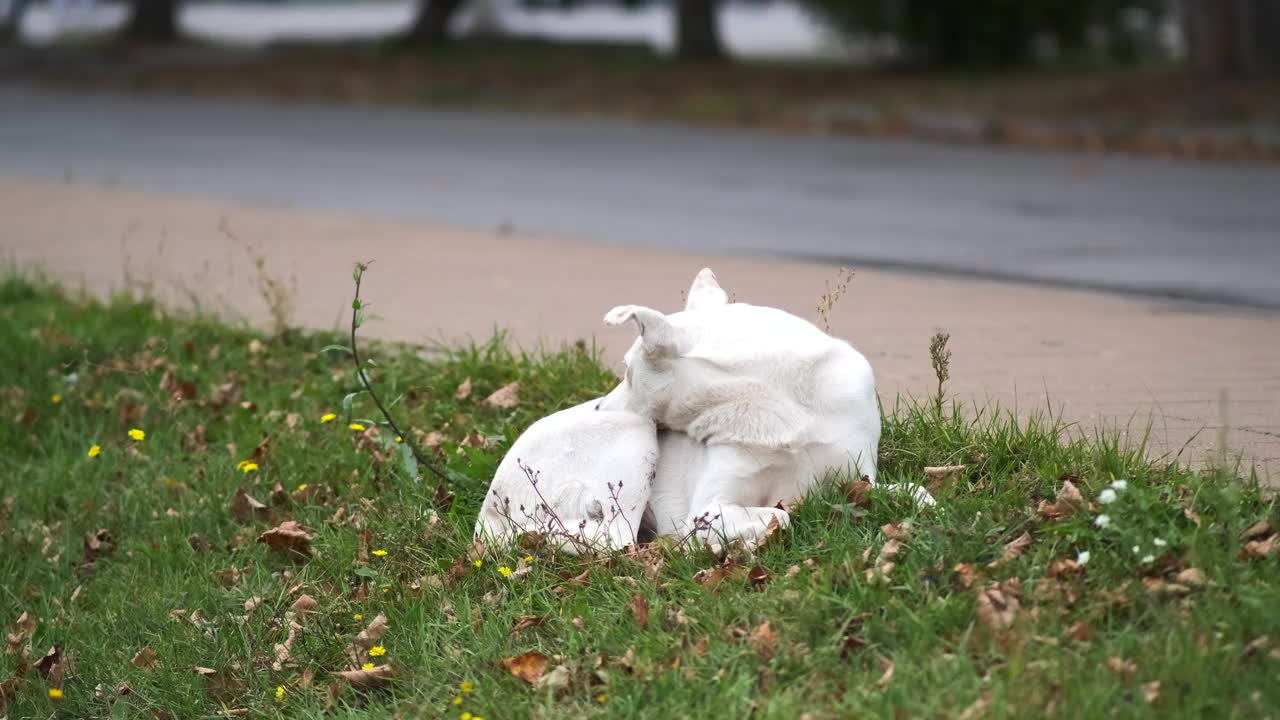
<point x="1194" y="231"/>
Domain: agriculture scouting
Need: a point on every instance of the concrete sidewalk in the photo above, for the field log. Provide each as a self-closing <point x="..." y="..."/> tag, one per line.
<point x="1099" y="359"/>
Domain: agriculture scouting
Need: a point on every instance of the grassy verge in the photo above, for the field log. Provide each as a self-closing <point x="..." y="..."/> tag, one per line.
<point x="142" y="570"/>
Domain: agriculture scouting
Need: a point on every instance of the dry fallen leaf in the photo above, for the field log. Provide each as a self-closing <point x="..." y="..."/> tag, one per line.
<point x="225" y="686"/>
<point x="1156" y="586"/>
<point x="528" y="667"/>
<point x="1193" y="577"/>
<point x="524" y="622"/>
<point x="640" y="608"/>
<point x="1013" y="549"/>
<point x="977" y="708"/>
<point x="936" y="478"/>
<point x="1256" y="549"/>
<point x="247" y="509"/>
<point x="966" y="574"/>
<point x="997" y="606"/>
<point x="1121" y="667"/>
<point x="506" y="396"/>
<point x="145" y="658"/>
<point x="464" y="390"/>
<point x="367" y="638"/>
<point x="1151" y="691"/>
<point x="758" y="577"/>
<point x="1069" y="501"/>
<point x="887" y="676"/>
<point x="304" y="604"/>
<point x="1257" y="531"/>
<point x="897" y="531"/>
<point x="1064" y="567"/>
<point x="884" y="564"/>
<point x="764" y="641"/>
<point x="289" y="538"/>
<point x="557" y="679"/>
<point x="857" y="492"/>
<point x="360" y="679"/>
<point x="1080" y="631"/>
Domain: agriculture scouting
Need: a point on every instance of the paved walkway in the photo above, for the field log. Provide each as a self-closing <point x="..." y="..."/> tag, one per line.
<point x="1099" y="358"/>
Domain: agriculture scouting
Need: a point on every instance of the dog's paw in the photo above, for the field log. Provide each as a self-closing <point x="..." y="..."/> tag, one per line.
<point x="620" y="315"/>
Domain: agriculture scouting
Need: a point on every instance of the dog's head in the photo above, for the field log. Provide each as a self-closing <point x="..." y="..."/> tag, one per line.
<point x="652" y="363"/>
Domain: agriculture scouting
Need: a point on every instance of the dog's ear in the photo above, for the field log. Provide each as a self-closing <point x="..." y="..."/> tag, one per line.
<point x="705" y="292"/>
<point x="658" y="336"/>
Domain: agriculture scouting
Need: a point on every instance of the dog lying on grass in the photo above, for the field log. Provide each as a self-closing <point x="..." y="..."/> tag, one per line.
<point x="752" y="407"/>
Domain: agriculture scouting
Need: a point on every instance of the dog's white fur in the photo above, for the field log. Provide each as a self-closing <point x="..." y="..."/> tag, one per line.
<point x="576" y="454"/>
<point x="772" y="403"/>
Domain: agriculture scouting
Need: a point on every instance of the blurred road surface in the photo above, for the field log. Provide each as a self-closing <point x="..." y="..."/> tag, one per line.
<point x="1194" y="231"/>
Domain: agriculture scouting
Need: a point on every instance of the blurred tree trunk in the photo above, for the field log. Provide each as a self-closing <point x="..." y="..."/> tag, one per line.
<point x="1232" y="38"/>
<point x="431" y="26"/>
<point x="153" y="21"/>
<point x="697" y="35"/>
<point x="11" y="26"/>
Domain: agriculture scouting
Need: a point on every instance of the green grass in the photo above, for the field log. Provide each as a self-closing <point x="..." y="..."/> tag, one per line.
<point x="702" y="653"/>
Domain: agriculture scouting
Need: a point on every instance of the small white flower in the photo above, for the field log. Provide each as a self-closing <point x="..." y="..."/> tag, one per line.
<point x="1136" y="550"/>
<point x="1148" y="558"/>
<point x="1120" y="484"/>
<point x="1082" y="558"/>
<point x="1102" y="521"/>
<point x="1159" y="542"/>
<point x="1106" y="497"/>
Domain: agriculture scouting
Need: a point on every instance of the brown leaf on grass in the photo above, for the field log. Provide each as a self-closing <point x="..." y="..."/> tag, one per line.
<point x="711" y="578"/>
<point x="857" y="492"/>
<point x="304" y="604"/>
<point x="229" y="577"/>
<point x="998" y="606"/>
<point x="506" y="396"/>
<point x="557" y="679"/>
<point x="464" y="390"/>
<point x="247" y="509"/>
<point x="1257" y="531"/>
<point x="259" y="454"/>
<point x="279" y="497"/>
<point x="977" y="708"/>
<point x="9" y="688"/>
<point x="528" y="667"/>
<point x="308" y="492"/>
<point x="16" y="643"/>
<point x="146" y="658"/>
<point x="197" y="440"/>
<point x="1121" y="667"/>
<point x="887" y="676"/>
<point x="1257" y="549"/>
<point x="1065" y="567"/>
<point x="897" y="531"/>
<point x="367" y="638"/>
<point x="291" y="420"/>
<point x="937" y="478"/>
<point x="49" y="662"/>
<point x="758" y="577"/>
<point x="1191" y="515"/>
<point x="1151" y="692"/>
<point x="771" y="532"/>
<point x="1156" y="586"/>
<point x="198" y="543"/>
<point x="1080" y="631"/>
<point x="884" y="564"/>
<point x="1012" y="550"/>
<point x="290" y="539"/>
<point x="363" y="540"/>
<point x="764" y="641"/>
<point x="640" y="608"/>
<point x="524" y="622"/>
<point x="966" y="575"/>
<point x="363" y="679"/>
<point x="1068" y="502"/>
<point x="1191" y="577"/>
<point x="97" y="545"/>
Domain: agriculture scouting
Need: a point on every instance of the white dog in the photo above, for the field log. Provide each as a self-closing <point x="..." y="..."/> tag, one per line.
<point x="580" y="476"/>
<point x="769" y="404"/>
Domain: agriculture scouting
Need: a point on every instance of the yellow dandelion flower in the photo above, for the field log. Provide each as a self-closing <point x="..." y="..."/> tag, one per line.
<point x="457" y="700"/>
<point x="246" y="466"/>
<point x="279" y="693"/>
<point x="528" y="558"/>
<point x="356" y="426"/>
<point x="55" y="398"/>
<point x="367" y="666"/>
<point x="95" y="451"/>
<point x="380" y="553"/>
<point x="399" y="439"/>
<point x="377" y="651"/>
<point x="466" y="687"/>
<point x="506" y="571"/>
<point x="55" y="693"/>
<point x="357" y="616"/>
<point x="137" y="435"/>
<point x="601" y="698"/>
<point x="465" y="716"/>
<point x="478" y="563"/>
<point x="328" y="417"/>
<point x="528" y="600"/>
<point x="302" y="487"/>
<point x="386" y="590"/>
